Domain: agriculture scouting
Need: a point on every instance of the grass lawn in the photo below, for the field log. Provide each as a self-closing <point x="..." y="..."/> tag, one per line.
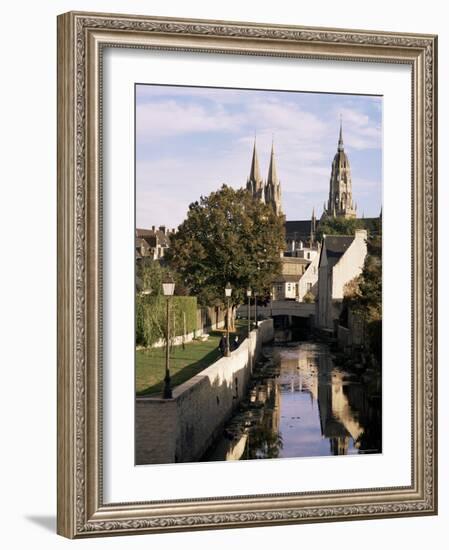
<point x="184" y="363"/>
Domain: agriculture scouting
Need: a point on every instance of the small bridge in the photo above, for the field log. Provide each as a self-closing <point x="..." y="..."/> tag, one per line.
<point x="277" y="308"/>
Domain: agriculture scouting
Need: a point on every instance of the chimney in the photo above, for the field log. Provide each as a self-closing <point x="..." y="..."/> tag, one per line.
<point x="153" y="228"/>
<point x="162" y="228"/>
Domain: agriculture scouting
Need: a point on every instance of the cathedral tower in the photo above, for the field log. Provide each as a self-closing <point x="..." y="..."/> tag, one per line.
<point x="340" y="188"/>
<point x="254" y="183"/>
<point x="273" y="186"/>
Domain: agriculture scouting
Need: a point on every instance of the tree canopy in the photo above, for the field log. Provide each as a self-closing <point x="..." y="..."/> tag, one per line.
<point x="364" y="294"/>
<point x="338" y="226"/>
<point x="227" y="237"/>
<point x="347" y="226"/>
<point x="149" y="274"/>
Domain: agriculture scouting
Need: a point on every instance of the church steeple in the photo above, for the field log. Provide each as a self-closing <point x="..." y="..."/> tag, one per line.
<point x="254" y="183"/>
<point x="273" y="185"/>
<point x="255" y="170"/>
<point x="340" y="138"/>
<point x="272" y="170"/>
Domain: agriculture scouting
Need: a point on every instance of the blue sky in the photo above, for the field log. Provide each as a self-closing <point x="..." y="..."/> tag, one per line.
<point x="191" y="140"/>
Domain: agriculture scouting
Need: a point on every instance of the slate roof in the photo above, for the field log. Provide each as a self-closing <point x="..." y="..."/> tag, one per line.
<point x="336" y="245"/>
<point x="299" y="228"/>
<point x="149" y="235"/>
<point x="141" y="242"/>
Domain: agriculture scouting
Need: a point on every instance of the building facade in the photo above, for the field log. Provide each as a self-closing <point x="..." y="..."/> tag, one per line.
<point x="153" y="243"/>
<point x="286" y="285"/>
<point x="308" y="283"/>
<point x="341" y="260"/>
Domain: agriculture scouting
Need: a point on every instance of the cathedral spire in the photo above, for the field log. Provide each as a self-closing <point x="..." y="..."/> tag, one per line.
<point x="254" y="183"/>
<point x="272" y="170"/>
<point x="255" y="170"/>
<point x="273" y="185"/>
<point x="340" y="138"/>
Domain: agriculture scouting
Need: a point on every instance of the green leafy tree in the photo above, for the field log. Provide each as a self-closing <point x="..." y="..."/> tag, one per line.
<point x="338" y="226"/>
<point x="149" y="275"/>
<point x="227" y="237"/>
<point x="364" y="294"/>
<point x="151" y="317"/>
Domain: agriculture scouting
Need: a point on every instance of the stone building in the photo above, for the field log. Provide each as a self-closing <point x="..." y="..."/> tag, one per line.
<point x="286" y="285"/>
<point x="308" y="283"/>
<point x="299" y="249"/>
<point x="341" y="260"/>
<point x="153" y="243"/>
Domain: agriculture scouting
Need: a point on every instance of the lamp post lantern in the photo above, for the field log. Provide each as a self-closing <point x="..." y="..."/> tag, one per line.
<point x="228" y="293"/>
<point x="168" y="288"/>
<point x="248" y="293"/>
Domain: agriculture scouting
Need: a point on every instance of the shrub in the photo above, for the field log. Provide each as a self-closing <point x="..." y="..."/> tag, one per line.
<point x="151" y="317"/>
<point x="309" y="298"/>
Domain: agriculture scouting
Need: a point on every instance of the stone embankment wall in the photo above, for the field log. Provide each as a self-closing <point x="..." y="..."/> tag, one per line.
<point x="182" y="428"/>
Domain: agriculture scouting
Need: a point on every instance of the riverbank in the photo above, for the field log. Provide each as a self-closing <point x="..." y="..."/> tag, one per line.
<point x="301" y="404"/>
<point x="182" y="428"/>
<point x="185" y="360"/>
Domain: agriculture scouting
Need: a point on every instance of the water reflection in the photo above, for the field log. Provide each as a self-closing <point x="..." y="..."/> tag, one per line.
<point x="301" y="404"/>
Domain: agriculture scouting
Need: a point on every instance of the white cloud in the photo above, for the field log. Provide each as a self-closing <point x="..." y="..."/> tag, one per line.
<point x="305" y="143"/>
<point x="218" y="96"/>
<point x="168" y="118"/>
<point x="359" y="131"/>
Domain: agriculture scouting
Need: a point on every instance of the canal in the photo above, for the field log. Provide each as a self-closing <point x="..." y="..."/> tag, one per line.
<point x="300" y="403"/>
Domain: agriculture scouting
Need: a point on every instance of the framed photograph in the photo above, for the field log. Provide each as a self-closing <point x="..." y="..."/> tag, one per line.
<point x="246" y="274"/>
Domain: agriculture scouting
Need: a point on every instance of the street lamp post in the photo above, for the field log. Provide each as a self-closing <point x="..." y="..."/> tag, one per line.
<point x="228" y="292"/>
<point x="168" y="288"/>
<point x="255" y="309"/>
<point x="248" y="293"/>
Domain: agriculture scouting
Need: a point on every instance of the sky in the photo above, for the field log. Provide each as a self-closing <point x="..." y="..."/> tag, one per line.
<point x="190" y="140"/>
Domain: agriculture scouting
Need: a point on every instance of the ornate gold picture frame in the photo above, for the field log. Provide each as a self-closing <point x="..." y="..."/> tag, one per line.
<point x="82" y="39"/>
